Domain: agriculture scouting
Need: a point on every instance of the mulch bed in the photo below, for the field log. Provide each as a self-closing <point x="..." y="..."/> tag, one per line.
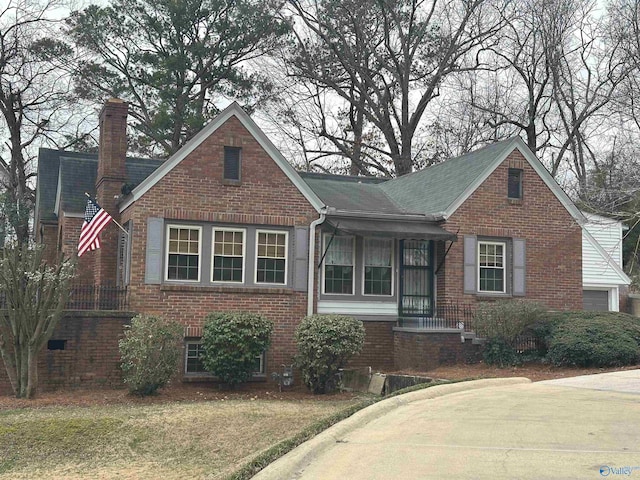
<point x="203" y="392"/>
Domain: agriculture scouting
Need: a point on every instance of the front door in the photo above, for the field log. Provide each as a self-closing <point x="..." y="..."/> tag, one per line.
<point x="416" y="282"/>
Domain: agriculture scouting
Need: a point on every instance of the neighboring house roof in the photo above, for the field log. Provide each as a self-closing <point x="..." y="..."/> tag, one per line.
<point x="233" y="110"/>
<point x="64" y="177"/>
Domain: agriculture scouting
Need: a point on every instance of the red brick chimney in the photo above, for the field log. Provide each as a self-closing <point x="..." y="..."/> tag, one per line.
<point x="111" y="176"/>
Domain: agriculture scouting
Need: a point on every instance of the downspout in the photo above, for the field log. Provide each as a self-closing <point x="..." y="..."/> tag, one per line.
<point x="312" y="258"/>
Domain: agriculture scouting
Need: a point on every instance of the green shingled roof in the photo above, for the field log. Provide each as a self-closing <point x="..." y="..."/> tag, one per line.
<point x="75" y="173"/>
<point x="434" y="189"/>
<point x="430" y="191"/>
<point x="353" y="194"/>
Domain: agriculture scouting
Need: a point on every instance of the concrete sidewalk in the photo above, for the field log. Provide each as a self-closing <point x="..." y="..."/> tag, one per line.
<point x="485" y="429"/>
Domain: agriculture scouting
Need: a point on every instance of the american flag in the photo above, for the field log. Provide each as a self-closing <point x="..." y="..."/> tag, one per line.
<point x="95" y="220"/>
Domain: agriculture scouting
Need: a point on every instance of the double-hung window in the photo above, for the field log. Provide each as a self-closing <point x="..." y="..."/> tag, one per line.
<point x="492" y="266"/>
<point x="228" y="255"/>
<point x="338" y="264"/>
<point x="183" y="253"/>
<point x="377" y="266"/>
<point x="271" y="257"/>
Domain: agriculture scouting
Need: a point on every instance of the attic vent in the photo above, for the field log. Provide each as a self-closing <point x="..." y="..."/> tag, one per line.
<point x="232" y="163"/>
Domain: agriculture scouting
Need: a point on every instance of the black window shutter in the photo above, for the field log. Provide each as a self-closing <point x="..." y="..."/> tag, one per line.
<point x="231" y="163"/>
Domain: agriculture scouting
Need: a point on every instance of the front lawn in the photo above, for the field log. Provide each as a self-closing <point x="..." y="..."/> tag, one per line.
<point x="206" y="439"/>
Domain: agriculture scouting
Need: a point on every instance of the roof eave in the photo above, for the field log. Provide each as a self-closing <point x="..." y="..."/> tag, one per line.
<point x="409" y="217"/>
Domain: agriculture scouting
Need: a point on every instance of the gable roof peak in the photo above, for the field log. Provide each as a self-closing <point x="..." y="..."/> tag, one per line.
<point x="234" y="109"/>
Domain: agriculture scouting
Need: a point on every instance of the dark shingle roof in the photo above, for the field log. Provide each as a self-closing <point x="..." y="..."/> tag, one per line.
<point x="434" y="189"/>
<point x="74" y="173"/>
<point x="429" y="191"/>
<point x="354" y="194"/>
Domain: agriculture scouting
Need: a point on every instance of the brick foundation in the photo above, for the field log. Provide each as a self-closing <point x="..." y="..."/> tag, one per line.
<point x="378" y="347"/>
<point x="90" y="357"/>
<point x="424" y="351"/>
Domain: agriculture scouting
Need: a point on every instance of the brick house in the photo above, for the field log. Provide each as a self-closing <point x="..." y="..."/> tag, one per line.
<point x="227" y="224"/>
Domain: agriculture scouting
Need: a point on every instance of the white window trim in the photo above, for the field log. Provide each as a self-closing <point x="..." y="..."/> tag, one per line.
<point x="353" y="264"/>
<point x="166" y="250"/>
<point x="504" y="266"/>
<point x="364" y="267"/>
<point x="244" y="253"/>
<point x="286" y="257"/>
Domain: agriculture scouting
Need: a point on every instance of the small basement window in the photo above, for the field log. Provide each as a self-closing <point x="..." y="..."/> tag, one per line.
<point x="56" y="345"/>
<point x="515" y="183"/>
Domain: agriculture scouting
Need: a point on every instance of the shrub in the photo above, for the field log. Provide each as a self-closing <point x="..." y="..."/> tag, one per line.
<point x="497" y="352"/>
<point x="232" y="341"/>
<point x="150" y="351"/>
<point x="501" y="323"/>
<point x="594" y="340"/>
<point x="507" y="319"/>
<point x="325" y="343"/>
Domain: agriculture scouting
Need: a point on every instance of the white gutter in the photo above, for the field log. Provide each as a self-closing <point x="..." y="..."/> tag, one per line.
<point x="312" y="260"/>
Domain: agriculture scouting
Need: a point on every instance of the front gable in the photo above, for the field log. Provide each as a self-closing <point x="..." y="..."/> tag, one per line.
<point x="519" y="154"/>
<point x="231" y="128"/>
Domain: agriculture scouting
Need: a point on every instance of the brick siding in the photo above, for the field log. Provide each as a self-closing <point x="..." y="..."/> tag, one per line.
<point x="90" y="358"/>
<point x="194" y="191"/>
<point x="378" y="347"/>
<point x="553" y="238"/>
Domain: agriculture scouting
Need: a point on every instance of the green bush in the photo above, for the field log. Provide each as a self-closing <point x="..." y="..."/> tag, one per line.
<point x="501" y="323"/>
<point x="497" y="352"/>
<point x="150" y="351"/>
<point x="507" y="319"/>
<point x="325" y="343"/>
<point x="232" y="341"/>
<point x="587" y="339"/>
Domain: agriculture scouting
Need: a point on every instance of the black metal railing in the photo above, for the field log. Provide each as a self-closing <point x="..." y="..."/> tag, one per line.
<point x="98" y="297"/>
<point x="91" y="297"/>
<point x="457" y="316"/>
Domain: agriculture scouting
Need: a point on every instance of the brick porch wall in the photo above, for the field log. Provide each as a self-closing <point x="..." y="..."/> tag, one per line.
<point x="90" y="358"/>
<point x="424" y="351"/>
<point x="378" y="347"/>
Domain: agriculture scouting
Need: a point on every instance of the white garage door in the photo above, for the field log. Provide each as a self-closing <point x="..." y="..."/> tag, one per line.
<point x="595" y="300"/>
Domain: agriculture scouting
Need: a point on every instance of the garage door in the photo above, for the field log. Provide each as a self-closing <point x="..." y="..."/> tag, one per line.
<point x="596" y="300"/>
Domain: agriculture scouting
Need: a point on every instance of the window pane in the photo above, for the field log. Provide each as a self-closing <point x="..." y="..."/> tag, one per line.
<point x="228" y="259"/>
<point x="338" y="279"/>
<point x="339" y="250"/>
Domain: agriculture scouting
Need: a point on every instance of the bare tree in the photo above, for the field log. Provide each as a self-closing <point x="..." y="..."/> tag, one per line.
<point x="588" y="70"/>
<point x="34" y="101"/>
<point x="387" y="59"/>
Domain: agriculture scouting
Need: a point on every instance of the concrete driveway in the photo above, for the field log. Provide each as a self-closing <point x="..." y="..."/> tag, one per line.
<point x="582" y="427"/>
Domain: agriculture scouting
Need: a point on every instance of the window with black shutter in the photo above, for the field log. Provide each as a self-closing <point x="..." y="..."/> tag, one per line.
<point x="232" y="164"/>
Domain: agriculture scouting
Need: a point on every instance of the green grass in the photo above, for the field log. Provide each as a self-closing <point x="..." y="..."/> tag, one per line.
<point x="178" y="440"/>
<point x="224" y="439"/>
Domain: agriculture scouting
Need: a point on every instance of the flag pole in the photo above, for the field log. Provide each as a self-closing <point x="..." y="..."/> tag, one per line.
<point x="112" y="219"/>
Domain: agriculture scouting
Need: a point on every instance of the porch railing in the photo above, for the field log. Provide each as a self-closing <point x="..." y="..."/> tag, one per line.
<point x="91" y="297"/>
<point x="98" y="297"/>
<point x="457" y="316"/>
